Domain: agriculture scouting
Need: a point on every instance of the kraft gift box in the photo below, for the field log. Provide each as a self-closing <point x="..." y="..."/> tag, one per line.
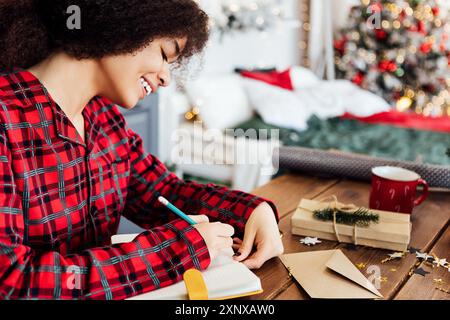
<point x="393" y="232"/>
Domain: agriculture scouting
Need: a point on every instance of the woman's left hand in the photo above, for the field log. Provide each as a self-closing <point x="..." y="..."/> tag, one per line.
<point x="261" y="230"/>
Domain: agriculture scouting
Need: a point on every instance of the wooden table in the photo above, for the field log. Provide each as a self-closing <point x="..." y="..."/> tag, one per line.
<point x="431" y="233"/>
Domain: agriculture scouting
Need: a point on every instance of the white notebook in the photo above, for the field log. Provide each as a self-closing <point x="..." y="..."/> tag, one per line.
<point x="224" y="278"/>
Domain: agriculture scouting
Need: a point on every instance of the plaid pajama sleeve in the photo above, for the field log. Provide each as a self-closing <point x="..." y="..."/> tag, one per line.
<point x="155" y="259"/>
<point x="149" y="179"/>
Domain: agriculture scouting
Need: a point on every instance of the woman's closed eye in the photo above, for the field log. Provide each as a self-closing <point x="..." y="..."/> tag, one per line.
<point x="164" y="56"/>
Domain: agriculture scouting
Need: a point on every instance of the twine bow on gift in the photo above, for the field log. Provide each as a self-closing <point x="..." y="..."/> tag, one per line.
<point x="344" y="213"/>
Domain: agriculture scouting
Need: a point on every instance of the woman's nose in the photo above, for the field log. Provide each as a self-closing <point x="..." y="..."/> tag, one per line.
<point x="164" y="76"/>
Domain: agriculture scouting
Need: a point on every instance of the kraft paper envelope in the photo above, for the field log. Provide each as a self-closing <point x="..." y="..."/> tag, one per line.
<point x="329" y="275"/>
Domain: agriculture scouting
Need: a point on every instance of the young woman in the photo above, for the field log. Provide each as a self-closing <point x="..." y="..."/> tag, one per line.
<point x="70" y="166"/>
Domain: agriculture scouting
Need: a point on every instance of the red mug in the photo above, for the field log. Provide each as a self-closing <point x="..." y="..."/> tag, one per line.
<point x="394" y="189"/>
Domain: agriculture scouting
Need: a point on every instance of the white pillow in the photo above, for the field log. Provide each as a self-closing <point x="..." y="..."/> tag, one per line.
<point x="360" y="102"/>
<point x="221" y="99"/>
<point x="303" y="78"/>
<point x="327" y="99"/>
<point x="333" y="98"/>
<point x="277" y="106"/>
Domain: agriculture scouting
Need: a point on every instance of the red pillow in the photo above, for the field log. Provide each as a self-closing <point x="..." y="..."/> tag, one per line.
<point x="406" y="120"/>
<point x="275" y="78"/>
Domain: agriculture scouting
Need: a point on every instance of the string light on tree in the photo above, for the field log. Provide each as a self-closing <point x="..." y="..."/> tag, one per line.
<point x="400" y="50"/>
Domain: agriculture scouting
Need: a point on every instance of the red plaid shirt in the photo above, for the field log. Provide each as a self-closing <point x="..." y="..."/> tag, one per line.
<point x="61" y="200"/>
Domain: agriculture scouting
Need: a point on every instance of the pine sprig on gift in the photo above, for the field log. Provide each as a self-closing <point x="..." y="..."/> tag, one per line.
<point x="362" y="217"/>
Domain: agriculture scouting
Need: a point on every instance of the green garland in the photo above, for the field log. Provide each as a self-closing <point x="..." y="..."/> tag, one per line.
<point x="362" y="217"/>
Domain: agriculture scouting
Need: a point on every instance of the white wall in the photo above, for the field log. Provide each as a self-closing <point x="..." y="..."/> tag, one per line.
<point x="341" y="10"/>
<point x="254" y="49"/>
<point x="275" y="48"/>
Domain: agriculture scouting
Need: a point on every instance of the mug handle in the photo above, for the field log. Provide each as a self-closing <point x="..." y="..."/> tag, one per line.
<point x="424" y="195"/>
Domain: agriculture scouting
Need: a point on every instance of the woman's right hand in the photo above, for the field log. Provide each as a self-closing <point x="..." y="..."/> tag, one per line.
<point x="217" y="235"/>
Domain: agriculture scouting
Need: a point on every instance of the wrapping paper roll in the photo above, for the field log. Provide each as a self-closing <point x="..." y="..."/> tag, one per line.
<point x="347" y="165"/>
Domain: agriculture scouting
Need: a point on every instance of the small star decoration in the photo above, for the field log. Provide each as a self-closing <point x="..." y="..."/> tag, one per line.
<point x="421" y="272"/>
<point x="361" y="266"/>
<point x="438" y="281"/>
<point x="423" y="256"/>
<point x="396" y="255"/>
<point x="393" y="256"/>
<point x="413" y="250"/>
<point x="382" y="279"/>
<point x="308" y="241"/>
<point x="351" y="246"/>
<point x="440" y="262"/>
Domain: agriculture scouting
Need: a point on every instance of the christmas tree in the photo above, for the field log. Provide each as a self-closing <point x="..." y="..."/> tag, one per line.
<point x="400" y="50"/>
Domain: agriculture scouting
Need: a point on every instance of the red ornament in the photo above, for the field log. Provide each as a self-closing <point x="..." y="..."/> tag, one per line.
<point x="358" y="78"/>
<point x="376" y="7"/>
<point x="380" y="34"/>
<point x="425" y="47"/>
<point x="339" y="45"/>
<point x="413" y="28"/>
<point x="402" y="15"/>
<point x="396" y="95"/>
<point x="429" y="88"/>
<point x="421" y="27"/>
<point x="435" y="11"/>
<point x="387" y="66"/>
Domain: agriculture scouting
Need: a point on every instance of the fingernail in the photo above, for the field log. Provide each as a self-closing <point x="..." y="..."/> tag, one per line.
<point x="237" y="254"/>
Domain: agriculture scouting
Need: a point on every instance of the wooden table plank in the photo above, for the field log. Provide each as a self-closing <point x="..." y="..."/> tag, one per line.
<point x="424" y="288"/>
<point x="428" y="221"/>
<point x="285" y="191"/>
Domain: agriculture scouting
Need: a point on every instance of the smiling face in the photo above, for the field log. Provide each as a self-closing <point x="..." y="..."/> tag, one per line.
<point x="128" y="78"/>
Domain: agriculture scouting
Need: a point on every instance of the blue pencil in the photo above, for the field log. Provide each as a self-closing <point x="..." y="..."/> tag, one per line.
<point x="177" y="211"/>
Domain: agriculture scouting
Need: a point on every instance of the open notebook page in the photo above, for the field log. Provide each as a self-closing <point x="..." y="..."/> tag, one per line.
<point x="225" y="278"/>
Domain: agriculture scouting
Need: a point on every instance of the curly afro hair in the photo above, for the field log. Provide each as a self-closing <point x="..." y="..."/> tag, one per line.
<point x="31" y="30"/>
